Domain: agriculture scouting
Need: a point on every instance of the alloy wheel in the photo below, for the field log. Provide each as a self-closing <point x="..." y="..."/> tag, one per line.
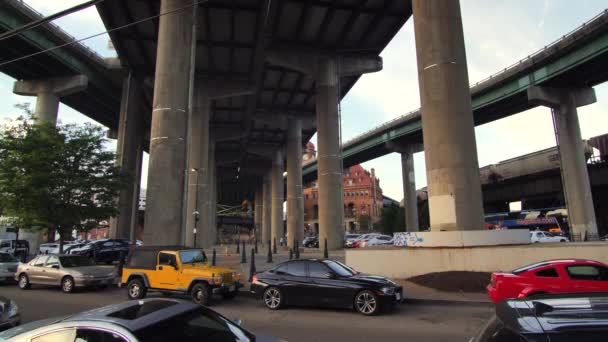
<point x="134" y="291"/>
<point x="272" y="298"/>
<point x="23" y="281"/>
<point x="366" y="303"/>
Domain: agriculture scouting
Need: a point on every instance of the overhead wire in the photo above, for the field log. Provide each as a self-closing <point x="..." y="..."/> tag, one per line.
<point x="102" y="33"/>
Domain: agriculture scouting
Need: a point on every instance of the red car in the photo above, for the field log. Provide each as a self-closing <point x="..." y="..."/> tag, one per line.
<point x="553" y="276"/>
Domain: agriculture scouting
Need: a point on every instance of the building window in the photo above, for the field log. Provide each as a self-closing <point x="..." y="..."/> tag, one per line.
<point x="350" y="182"/>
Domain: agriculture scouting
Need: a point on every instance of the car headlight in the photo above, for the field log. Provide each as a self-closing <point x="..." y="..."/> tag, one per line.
<point x="13" y="310"/>
<point x="388" y="290"/>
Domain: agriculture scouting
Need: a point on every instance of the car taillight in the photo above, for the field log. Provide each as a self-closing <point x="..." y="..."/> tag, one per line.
<point x="254" y="278"/>
<point x="493" y="280"/>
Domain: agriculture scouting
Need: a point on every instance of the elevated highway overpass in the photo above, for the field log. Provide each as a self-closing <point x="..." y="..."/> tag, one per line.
<point x="578" y="59"/>
<point x="224" y="94"/>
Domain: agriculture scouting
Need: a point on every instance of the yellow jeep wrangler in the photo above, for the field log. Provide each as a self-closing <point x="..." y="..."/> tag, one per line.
<point x="182" y="270"/>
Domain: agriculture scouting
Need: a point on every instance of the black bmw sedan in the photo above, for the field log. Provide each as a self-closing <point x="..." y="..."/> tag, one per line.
<point x="324" y="283"/>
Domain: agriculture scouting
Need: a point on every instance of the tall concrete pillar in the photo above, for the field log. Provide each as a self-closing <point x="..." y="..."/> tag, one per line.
<point x="49" y="92"/>
<point x="410" y="202"/>
<point x="210" y="234"/>
<point x="326" y="70"/>
<point x="266" y="208"/>
<point x="257" y="213"/>
<point x="167" y="166"/>
<point x="198" y="177"/>
<point x="277" y="191"/>
<point x="452" y="169"/>
<point x="295" y="194"/>
<point x="577" y="188"/>
<point x="129" y="150"/>
<point x="329" y="164"/>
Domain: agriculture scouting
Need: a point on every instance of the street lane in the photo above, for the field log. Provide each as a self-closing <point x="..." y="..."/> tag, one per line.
<point x="419" y="322"/>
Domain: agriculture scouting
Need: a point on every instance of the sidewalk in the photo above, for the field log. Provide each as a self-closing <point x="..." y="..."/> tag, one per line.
<point x="415" y="293"/>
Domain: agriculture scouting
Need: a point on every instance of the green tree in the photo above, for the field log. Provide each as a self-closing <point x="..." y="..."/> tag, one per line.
<point x="364" y="222"/>
<point x="392" y="219"/>
<point x="62" y="177"/>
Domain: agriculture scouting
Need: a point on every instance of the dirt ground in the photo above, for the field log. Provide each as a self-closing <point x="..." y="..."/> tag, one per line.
<point x="454" y="281"/>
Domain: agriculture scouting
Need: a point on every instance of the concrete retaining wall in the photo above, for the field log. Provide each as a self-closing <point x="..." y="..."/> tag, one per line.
<point x="407" y="262"/>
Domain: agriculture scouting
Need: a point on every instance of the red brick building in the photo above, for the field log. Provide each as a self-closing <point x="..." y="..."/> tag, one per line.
<point x="362" y="197"/>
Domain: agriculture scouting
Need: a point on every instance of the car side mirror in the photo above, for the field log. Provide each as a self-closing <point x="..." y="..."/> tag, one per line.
<point x="330" y="275"/>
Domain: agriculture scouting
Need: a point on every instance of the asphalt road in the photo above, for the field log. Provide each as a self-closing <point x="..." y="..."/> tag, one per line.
<point x="419" y="322"/>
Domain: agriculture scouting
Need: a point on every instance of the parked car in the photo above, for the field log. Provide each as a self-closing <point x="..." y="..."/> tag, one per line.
<point x="46" y="248"/>
<point x="103" y="251"/>
<point x="379" y="241"/>
<point x="9" y="314"/>
<point x="18" y="248"/>
<point x="67" y="247"/>
<point x="324" y="283"/>
<point x="179" y="270"/>
<point x="311" y="242"/>
<point x="8" y="267"/>
<point x="550" y="318"/>
<point x="546" y="237"/>
<point x="349" y="238"/>
<point x="554" y="276"/>
<point x="67" y="271"/>
<point x="150" y="320"/>
<point x="361" y="241"/>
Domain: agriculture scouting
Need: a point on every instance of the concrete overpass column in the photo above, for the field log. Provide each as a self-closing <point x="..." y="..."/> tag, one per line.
<point x="577" y="188"/>
<point x="257" y="213"/>
<point x="211" y="231"/>
<point x="327" y="70"/>
<point x="49" y="92"/>
<point x="410" y="202"/>
<point x="129" y="151"/>
<point x="455" y="201"/>
<point x="198" y="178"/>
<point x="266" y="208"/>
<point x="331" y="211"/>
<point x="295" y="195"/>
<point x="165" y="191"/>
<point x="277" y="191"/>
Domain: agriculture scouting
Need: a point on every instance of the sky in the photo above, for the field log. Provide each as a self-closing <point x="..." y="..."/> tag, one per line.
<point x="497" y="33"/>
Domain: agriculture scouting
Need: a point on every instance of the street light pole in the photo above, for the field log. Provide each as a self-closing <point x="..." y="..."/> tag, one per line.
<point x="195" y="213"/>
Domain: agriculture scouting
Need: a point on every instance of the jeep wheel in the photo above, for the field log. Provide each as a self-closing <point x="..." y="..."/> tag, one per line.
<point x="230" y="295"/>
<point x="200" y="294"/>
<point x="136" y="289"/>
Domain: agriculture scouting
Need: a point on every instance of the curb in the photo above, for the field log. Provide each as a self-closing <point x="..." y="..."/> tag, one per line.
<point x="421" y="301"/>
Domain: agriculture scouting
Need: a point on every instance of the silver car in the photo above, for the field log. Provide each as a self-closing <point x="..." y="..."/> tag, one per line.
<point x="148" y="320"/>
<point x="8" y="267"/>
<point x="67" y="271"/>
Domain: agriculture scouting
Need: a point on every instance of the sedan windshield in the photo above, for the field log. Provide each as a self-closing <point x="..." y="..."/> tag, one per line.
<point x="340" y="268"/>
<point x="5" y="257"/>
<point x="74" y="261"/>
<point x="192" y="256"/>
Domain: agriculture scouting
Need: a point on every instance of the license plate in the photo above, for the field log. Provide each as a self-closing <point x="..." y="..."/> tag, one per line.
<point x="398" y="295"/>
<point x="232" y="288"/>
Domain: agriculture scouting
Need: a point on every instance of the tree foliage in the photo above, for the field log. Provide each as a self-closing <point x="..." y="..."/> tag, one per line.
<point x="392" y="219"/>
<point x="61" y="177"/>
<point x="364" y="221"/>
